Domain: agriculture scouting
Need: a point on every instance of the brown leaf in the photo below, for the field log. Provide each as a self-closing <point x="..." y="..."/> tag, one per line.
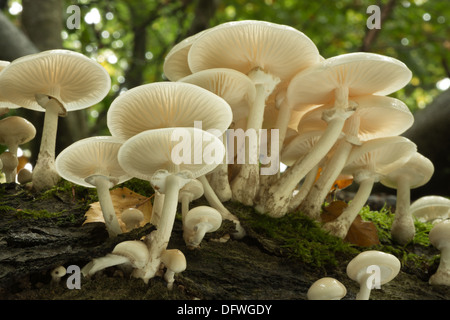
<point x="361" y="233"/>
<point x="122" y="198"/>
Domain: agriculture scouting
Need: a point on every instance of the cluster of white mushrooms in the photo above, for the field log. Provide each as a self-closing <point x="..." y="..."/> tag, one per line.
<point x="331" y="116"/>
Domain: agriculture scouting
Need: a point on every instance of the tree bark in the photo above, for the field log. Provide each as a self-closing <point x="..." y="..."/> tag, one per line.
<point x="14" y="43"/>
<point x="431" y="132"/>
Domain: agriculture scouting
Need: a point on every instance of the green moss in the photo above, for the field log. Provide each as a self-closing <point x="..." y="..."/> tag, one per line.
<point x="301" y="238"/>
<point x="36" y="214"/>
<point x="139" y="186"/>
<point x="407" y="255"/>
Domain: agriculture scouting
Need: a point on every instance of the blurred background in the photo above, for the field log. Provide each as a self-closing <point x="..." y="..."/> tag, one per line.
<point x="130" y="38"/>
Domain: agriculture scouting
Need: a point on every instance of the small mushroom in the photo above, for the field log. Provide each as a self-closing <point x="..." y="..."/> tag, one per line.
<point x="326" y="289"/>
<point x="371" y="269"/>
<point x="24" y="176"/>
<point x="190" y="192"/>
<point x="413" y="174"/>
<point x="9" y="165"/>
<point x="132" y="217"/>
<point x="132" y="253"/>
<point x="15" y="131"/>
<point x="432" y="209"/>
<point x="198" y="222"/>
<point x="57" y="273"/>
<point x="175" y="262"/>
<point x="440" y="238"/>
<point x="92" y="162"/>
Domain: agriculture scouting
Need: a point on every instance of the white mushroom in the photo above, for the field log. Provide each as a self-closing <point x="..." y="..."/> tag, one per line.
<point x="368" y="163"/>
<point x="199" y="221"/>
<point x="413" y="174"/>
<point x="92" y="163"/>
<point x="269" y="54"/>
<point x="374" y="117"/>
<point x="239" y="92"/>
<point x="24" y="176"/>
<point x="56" y="274"/>
<point x="175" y="262"/>
<point x="166" y="173"/>
<point x="15" y="131"/>
<point x="431" y="209"/>
<point x="439" y="237"/>
<point x="132" y="217"/>
<point x="132" y="253"/>
<point x="326" y="289"/>
<point x="335" y="81"/>
<point x="190" y="192"/>
<point x="371" y="269"/>
<point x="54" y="82"/>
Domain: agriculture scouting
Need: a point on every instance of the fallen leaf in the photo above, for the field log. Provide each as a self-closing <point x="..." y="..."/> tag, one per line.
<point x="122" y="198"/>
<point x="361" y="233"/>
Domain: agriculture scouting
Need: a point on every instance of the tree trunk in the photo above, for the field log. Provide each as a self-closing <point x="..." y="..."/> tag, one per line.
<point x="431" y="132"/>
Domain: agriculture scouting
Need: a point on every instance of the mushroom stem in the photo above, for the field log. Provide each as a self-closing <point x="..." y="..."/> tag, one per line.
<point x="214" y="202"/>
<point x="107" y="261"/>
<point x="158" y="205"/>
<point x="184" y="206"/>
<point x="159" y="238"/>
<point x="279" y="194"/>
<point x="245" y="185"/>
<point x="403" y="229"/>
<point x="103" y="184"/>
<point x="304" y="189"/>
<point x="340" y="226"/>
<point x="442" y="274"/>
<point x="364" y="289"/>
<point x="312" y="204"/>
<point x="200" y="230"/>
<point x="44" y="173"/>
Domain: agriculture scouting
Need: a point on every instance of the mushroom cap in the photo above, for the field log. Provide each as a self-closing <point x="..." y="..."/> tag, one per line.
<point x="233" y="86"/>
<point x="299" y="147"/>
<point x="429" y="208"/>
<point x="380" y="156"/>
<point x="16" y="130"/>
<point x="362" y="72"/>
<point x="136" y="251"/>
<point x="326" y="289"/>
<point x="389" y="266"/>
<point x="193" y="189"/>
<point x="58" y="272"/>
<point x="91" y="156"/>
<point x="203" y="214"/>
<point x="3" y="102"/>
<point x="379" y="116"/>
<point x="176" y="64"/>
<point x="174" y="260"/>
<point x="249" y="44"/>
<point x="166" y="105"/>
<point x="131" y="216"/>
<point x="440" y="235"/>
<point x="152" y="150"/>
<point x="75" y="80"/>
<point x="418" y="170"/>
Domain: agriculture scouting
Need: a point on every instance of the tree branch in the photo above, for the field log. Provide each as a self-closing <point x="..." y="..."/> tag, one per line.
<point x="372" y="34"/>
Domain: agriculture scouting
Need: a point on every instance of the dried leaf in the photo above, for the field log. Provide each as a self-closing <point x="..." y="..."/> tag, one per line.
<point x="122" y="198"/>
<point x="361" y="233"/>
